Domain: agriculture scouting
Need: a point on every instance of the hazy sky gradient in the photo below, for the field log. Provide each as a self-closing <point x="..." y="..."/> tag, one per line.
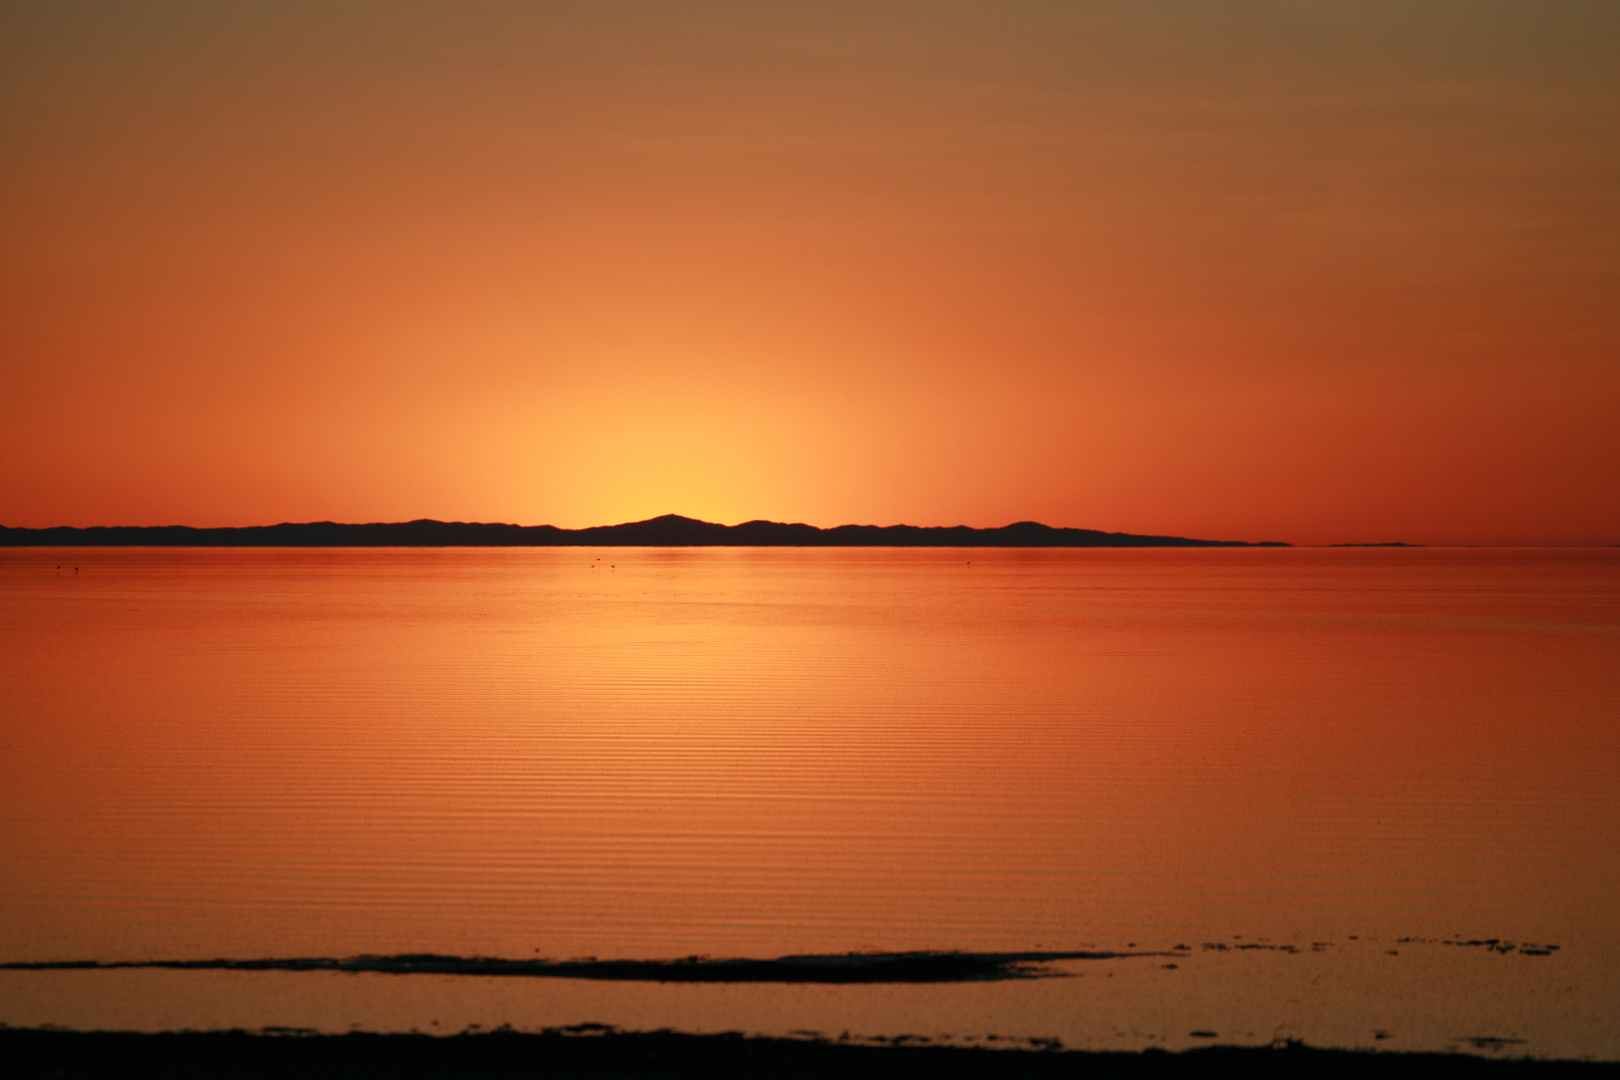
<point x="1330" y="271"/>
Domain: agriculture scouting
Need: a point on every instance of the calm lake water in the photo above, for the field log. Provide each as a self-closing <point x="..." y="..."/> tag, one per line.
<point x="655" y="753"/>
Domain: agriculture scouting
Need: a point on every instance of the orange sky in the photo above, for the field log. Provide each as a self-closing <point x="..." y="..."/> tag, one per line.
<point x="1330" y="271"/>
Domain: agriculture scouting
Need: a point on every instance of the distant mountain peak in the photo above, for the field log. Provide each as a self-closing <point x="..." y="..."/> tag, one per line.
<point x="672" y="530"/>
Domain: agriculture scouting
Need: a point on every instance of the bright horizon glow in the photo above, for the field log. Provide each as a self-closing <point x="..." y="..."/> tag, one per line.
<point x="1340" y="272"/>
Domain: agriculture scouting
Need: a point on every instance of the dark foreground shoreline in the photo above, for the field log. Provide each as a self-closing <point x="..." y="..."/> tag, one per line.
<point x="670" y="530"/>
<point x="592" y="1052"/>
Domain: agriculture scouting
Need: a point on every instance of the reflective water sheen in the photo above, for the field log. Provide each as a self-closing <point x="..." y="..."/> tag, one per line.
<point x="653" y="753"/>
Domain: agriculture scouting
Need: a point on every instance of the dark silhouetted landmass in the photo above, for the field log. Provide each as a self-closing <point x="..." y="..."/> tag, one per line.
<point x="671" y="530"/>
<point x="912" y="967"/>
<point x="595" y="1050"/>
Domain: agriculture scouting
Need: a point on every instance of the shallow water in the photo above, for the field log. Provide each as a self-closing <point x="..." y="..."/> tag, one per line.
<point x="653" y="753"/>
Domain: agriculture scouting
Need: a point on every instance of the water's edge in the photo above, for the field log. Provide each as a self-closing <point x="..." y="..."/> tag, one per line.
<point x="595" y="1050"/>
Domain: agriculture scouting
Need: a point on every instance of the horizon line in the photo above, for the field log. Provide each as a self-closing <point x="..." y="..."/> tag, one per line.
<point x="663" y="530"/>
<point x="816" y="536"/>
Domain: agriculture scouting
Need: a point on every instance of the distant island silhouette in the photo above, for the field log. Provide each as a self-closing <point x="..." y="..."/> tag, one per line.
<point x="670" y="530"/>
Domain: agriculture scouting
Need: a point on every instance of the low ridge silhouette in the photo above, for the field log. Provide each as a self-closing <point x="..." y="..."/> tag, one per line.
<point x="669" y="530"/>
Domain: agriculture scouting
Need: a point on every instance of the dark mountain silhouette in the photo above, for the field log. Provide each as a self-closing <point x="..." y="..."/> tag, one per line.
<point x="670" y="530"/>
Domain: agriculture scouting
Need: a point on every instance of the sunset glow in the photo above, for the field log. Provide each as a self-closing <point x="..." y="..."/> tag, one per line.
<point x="1317" y="272"/>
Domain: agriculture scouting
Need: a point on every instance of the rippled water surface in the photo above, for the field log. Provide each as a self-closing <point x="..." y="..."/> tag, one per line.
<point x="652" y="753"/>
